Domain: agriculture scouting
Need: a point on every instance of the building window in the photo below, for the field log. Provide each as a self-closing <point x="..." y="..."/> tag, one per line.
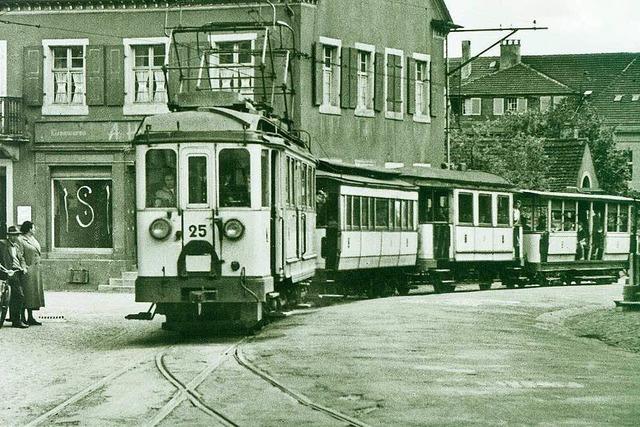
<point x="498" y="106"/>
<point x="331" y="61"/>
<point x="393" y="87"/>
<point x="365" y="77"/>
<point x="65" y="77"/>
<point x="145" y="89"/>
<point x="545" y="103"/>
<point x="628" y="154"/>
<point x="472" y="107"/>
<point x="82" y="213"/>
<point x="422" y="88"/>
<point x="521" y="105"/>
<point x="557" y="100"/>
<point x="512" y="105"/>
<point x="232" y="64"/>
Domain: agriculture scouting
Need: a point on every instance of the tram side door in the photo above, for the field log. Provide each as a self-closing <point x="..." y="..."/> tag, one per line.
<point x="200" y="253"/>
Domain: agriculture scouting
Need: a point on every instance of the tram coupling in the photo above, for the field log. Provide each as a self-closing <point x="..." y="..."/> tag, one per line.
<point x="143" y="315"/>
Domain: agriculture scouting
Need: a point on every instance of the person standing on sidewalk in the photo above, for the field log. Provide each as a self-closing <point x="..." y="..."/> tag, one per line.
<point x="12" y="258"/>
<point x="33" y="291"/>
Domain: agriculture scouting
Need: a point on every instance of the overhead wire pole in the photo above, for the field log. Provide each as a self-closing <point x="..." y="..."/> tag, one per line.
<point x="512" y="31"/>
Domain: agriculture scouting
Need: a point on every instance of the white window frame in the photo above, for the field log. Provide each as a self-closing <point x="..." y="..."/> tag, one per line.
<point x="240" y="37"/>
<point x="394" y="115"/>
<point x="326" y="107"/>
<point x="498" y="106"/>
<point x="508" y="108"/>
<point x="363" y="110"/>
<point x="48" y="107"/>
<point x="130" y="107"/>
<point x="468" y="110"/>
<point x="422" y="116"/>
<point x="548" y="100"/>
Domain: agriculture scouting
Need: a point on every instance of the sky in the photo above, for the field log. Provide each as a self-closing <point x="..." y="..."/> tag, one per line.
<point x="575" y="26"/>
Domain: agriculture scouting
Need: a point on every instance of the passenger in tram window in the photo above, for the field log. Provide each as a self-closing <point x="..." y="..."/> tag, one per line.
<point x="582" y="247"/>
<point x="542" y="223"/>
<point x="569" y="221"/>
<point x="598" y="235"/>
<point x="165" y="197"/>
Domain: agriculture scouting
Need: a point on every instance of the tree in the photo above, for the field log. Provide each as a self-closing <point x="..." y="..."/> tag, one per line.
<point x="570" y="118"/>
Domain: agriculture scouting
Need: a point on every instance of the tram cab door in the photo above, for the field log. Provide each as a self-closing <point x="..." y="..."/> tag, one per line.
<point x="200" y="248"/>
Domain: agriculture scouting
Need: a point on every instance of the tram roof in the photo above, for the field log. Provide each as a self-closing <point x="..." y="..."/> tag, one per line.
<point x="451" y="178"/>
<point x="580" y="196"/>
<point x="361" y="175"/>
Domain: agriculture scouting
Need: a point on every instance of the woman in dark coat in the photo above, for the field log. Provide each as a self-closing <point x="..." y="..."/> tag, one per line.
<point x="33" y="291"/>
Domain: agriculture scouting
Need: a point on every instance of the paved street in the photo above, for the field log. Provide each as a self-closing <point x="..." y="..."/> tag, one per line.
<point x="494" y="357"/>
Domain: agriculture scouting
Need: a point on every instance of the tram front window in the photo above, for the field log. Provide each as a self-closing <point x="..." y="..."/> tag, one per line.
<point x="234" y="178"/>
<point x="160" y="177"/>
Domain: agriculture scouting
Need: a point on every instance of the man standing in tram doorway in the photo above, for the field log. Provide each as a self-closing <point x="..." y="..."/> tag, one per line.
<point x="517" y="224"/>
<point x="12" y="259"/>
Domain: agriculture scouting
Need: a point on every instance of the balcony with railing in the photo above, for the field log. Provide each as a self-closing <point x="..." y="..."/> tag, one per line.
<point x="12" y="120"/>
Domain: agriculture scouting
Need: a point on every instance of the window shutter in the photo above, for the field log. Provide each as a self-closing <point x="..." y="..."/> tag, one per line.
<point x="316" y="73"/>
<point x="114" y="75"/>
<point x="344" y="77"/>
<point x="353" y="77"/>
<point x="33" y="61"/>
<point x="397" y="84"/>
<point x="522" y="105"/>
<point x="498" y="106"/>
<point x="378" y="82"/>
<point x="476" y="106"/>
<point x="432" y="111"/>
<point x="411" y="79"/>
<point x="95" y="75"/>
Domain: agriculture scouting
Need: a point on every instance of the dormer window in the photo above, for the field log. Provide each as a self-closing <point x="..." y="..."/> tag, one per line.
<point x="635" y="97"/>
<point x="618" y="98"/>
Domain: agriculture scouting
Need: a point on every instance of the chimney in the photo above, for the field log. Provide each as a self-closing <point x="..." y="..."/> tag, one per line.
<point x="466" y="54"/>
<point x="509" y="53"/>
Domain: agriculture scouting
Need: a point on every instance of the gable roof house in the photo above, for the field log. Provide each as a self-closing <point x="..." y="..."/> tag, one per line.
<point x="490" y="87"/>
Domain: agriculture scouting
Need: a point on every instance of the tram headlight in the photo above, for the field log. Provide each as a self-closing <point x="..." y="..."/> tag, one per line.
<point x="233" y="229"/>
<point x="160" y="229"/>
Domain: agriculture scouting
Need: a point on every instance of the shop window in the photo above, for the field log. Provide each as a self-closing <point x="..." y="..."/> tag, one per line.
<point x="197" y="179"/>
<point x="160" y="176"/>
<point x="82" y="213"/>
<point x="234" y="179"/>
<point x="65" y="77"/>
<point x="465" y="208"/>
<point x="485" y="211"/>
<point x="503" y="210"/>
<point x="232" y="64"/>
<point x="144" y="79"/>
<point x="382" y="214"/>
<point x="394" y="88"/>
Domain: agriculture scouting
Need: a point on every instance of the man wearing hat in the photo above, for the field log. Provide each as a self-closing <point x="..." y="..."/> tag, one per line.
<point x="12" y="259"/>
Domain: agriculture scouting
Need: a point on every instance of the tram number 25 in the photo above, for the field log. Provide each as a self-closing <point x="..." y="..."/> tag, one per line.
<point x="197" y="230"/>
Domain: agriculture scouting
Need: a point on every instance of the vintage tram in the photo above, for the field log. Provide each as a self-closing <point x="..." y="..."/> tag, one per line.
<point x="225" y="193"/>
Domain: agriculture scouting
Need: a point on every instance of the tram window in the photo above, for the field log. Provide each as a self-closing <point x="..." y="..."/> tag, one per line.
<point x="310" y="178"/>
<point x="556" y="215"/>
<point x="365" y="213"/>
<point x="503" y="210"/>
<point x="356" y="213"/>
<point x="349" y="211"/>
<point x="624" y="218"/>
<point x="160" y="175"/>
<point x="265" y="167"/>
<point x="296" y="183"/>
<point x="465" y="208"/>
<point x="397" y="214"/>
<point x="411" y="219"/>
<point x="540" y="215"/>
<point x="441" y="202"/>
<point x="569" y="216"/>
<point x="485" y="211"/>
<point x="197" y="179"/>
<point x="288" y="181"/>
<point x="612" y="217"/>
<point x="303" y="185"/>
<point x="234" y="179"/>
<point x="382" y="214"/>
<point x="526" y="214"/>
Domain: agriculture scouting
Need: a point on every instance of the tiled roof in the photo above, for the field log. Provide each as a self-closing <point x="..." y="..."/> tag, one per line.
<point x="626" y="111"/>
<point x="517" y="80"/>
<point x="565" y="159"/>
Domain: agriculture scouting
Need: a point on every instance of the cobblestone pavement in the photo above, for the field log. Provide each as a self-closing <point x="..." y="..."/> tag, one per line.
<point x="482" y="358"/>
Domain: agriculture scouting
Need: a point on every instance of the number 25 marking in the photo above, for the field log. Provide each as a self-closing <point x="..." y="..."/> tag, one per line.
<point x="199" y="231"/>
